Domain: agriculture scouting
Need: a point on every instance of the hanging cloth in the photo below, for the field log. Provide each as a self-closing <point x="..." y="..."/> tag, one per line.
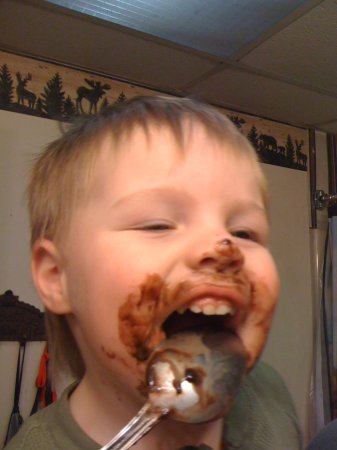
<point x="16" y="420"/>
<point x="44" y="394"/>
<point x="324" y="386"/>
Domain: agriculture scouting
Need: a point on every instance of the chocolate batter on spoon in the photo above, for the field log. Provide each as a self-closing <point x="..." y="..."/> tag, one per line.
<point x="191" y="377"/>
<point x="196" y="375"/>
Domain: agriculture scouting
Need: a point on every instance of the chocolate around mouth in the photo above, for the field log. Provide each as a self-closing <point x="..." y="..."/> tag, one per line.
<point x="141" y="326"/>
<point x="189" y="321"/>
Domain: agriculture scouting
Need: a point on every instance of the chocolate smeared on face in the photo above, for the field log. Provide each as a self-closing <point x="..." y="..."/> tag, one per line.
<point x="156" y="311"/>
<point x="150" y="316"/>
<point x="141" y="316"/>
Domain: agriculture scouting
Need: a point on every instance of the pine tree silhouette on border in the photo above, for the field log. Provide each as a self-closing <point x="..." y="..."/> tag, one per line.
<point x="253" y="137"/>
<point x="69" y="108"/>
<point x="290" y="150"/>
<point x="53" y="97"/>
<point x="6" y="86"/>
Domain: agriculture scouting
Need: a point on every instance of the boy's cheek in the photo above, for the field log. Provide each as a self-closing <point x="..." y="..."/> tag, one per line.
<point x="254" y="330"/>
<point x="139" y="318"/>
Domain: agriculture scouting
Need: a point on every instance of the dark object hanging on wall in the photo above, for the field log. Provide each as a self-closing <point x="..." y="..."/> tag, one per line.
<point x="332" y="167"/>
<point x="20" y="321"/>
<point x="16" y="420"/>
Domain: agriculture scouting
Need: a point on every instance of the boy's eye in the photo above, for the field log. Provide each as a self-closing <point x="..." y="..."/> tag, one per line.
<point x="156" y="226"/>
<point x="244" y="234"/>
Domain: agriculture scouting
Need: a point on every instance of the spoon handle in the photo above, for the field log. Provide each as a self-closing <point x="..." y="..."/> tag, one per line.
<point x="143" y="421"/>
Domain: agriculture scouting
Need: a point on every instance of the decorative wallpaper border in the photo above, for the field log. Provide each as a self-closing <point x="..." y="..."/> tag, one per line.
<point x="37" y="88"/>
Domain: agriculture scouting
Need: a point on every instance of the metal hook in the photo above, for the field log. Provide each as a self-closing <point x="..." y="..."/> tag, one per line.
<point x="323" y="200"/>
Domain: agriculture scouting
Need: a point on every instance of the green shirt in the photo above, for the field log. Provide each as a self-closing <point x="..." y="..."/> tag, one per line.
<point x="262" y="418"/>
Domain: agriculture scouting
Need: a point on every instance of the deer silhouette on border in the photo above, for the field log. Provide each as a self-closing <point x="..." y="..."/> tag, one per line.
<point x="92" y="95"/>
<point x="301" y="158"/>
<point x="23" y="93"/>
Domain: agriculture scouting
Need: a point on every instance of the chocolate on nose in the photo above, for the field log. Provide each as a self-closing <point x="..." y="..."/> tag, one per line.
<point x="229" y="256"/>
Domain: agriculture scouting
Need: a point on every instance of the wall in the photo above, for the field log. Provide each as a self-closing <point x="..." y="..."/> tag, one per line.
<point x="289" y="348"/>
<point x="298" y="251"/>
<point x="21" y="137"/>
<point x="290" y="345"/>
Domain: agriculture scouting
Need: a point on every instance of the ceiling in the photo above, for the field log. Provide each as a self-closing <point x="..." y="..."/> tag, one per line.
<point x="272" y="58"/>
<point x="217" y="27"/>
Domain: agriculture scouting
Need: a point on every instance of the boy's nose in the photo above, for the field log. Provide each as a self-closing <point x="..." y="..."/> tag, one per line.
<point x="222" y="256"/>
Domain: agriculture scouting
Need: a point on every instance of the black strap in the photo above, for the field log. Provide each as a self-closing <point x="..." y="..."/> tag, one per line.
<point x="15" y="420"/>
<point x="18" y="379"/>
<point x="37" y="401"/>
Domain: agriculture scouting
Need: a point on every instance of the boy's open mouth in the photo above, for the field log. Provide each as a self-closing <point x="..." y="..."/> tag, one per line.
<point x="198" y="320"/>
<point x="156" y="312"/>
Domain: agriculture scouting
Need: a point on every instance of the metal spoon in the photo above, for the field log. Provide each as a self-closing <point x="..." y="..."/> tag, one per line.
<point x="191" y="377"/>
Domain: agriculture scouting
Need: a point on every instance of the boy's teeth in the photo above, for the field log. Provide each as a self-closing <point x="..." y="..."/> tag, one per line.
<point x="209" y="310"/>
<point x="224" y="309"/>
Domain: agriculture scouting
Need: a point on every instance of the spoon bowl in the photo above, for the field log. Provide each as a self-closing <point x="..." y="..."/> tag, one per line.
<point x="191" y="377"/>
<point x="194" y="376"/>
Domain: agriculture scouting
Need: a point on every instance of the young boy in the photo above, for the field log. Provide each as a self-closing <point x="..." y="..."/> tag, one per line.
<point x="146" y="218"/>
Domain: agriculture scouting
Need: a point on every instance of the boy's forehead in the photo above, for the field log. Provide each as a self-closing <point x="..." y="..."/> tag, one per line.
<point x="161" y="147"/>
<point x="162" y="137"/>
<point x="145" y="135"/>
<point x="141" y="160"/>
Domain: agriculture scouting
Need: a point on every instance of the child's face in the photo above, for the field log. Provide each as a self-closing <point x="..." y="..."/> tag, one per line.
<point x="154" y="239"/>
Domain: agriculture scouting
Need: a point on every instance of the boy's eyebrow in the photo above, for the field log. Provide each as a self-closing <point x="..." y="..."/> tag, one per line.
<point x="255" y="205"/>
<point x="169" y="193"/>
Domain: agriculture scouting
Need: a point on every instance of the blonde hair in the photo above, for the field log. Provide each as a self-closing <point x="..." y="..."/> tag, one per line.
<point x="60" y="178"/>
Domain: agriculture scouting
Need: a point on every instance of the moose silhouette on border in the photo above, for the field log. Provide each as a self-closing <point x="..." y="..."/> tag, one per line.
<point x="93" y="95"/>
<point x="23" y="93"/>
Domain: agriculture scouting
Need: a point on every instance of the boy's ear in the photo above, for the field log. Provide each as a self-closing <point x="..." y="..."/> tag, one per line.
<point x="49" y="277"/>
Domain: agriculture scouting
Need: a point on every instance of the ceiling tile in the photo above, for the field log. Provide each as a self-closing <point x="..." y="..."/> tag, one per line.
<point x="258" y="95"/>
<point x="330" y="127"/>
<point x="305" y="51"/>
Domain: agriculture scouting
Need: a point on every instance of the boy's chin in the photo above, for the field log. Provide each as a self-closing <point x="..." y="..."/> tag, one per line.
<point x="128" y="379"/>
